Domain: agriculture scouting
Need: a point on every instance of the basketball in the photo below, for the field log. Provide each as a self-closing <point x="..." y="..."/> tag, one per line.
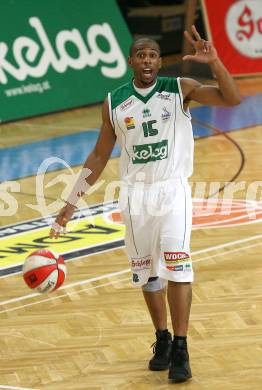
<point x="44" y="271"/>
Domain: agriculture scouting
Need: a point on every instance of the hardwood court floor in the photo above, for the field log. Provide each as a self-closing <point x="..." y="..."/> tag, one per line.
<point x="95" y="333"/>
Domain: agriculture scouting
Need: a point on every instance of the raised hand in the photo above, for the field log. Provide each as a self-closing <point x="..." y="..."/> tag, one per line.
<point x="205" y="52"/>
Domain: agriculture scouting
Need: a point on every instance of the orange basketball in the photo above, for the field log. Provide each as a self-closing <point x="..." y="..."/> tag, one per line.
<point x="44" y="271"/>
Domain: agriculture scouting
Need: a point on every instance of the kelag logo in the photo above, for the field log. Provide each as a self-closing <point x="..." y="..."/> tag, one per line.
<point x="150" y="152"/>
<point x="51" y="61"/>
<point x="25" y="64"/>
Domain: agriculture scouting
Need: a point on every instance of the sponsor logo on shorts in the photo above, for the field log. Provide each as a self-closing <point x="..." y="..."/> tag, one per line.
<point x="175" y="267"/>
<point x="129" y="122"/>
<point x="175" y="257"/>
<point x="128" y="103"/>
<point x="187" y="267"/>
<point x="180" y="267"/>
<point x="135" y="278"/>
<point x="141" y="263"/>
<point x="150" y="152"/>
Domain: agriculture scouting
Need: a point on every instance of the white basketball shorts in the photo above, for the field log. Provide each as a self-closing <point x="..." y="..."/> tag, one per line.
<point x="158" y="220"/>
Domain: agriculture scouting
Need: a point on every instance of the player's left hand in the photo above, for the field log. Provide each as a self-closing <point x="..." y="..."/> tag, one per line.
<point x="205" y="52"/>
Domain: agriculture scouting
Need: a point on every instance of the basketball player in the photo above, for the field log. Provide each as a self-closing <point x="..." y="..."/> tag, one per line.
<point x="149" y="117"/>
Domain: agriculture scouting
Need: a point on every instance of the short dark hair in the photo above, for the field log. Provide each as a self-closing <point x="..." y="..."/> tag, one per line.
<point x="140" y="41"/>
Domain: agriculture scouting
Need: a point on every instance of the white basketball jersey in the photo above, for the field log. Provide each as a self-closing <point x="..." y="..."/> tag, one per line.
<point x="154" y="132"/>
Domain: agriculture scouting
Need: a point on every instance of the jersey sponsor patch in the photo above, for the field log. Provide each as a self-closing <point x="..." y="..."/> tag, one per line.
<point x="130" y="123"/>
<point x="128" y="103"/>
<point x="163" y="96"/>
<point x="165" y="114"/>
<point x="150" y="152"/>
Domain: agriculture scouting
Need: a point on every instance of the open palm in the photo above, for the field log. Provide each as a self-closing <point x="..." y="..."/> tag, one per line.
<point x="205" y="52"/>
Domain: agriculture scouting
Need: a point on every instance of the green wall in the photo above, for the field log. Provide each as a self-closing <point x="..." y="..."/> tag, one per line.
<point x="59" y="54"/>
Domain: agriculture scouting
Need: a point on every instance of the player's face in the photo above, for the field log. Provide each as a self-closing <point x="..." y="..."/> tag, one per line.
<point x="145" y="62"/>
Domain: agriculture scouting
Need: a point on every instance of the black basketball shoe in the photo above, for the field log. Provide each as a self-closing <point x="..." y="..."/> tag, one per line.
<point x="179" y="369"/>
<point x="162" y="351"/>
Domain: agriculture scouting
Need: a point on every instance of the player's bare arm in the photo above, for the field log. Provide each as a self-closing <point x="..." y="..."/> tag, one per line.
<point x="226" y="93"/>
<point x="99" y="157"/>
<point x="95" y="162"/>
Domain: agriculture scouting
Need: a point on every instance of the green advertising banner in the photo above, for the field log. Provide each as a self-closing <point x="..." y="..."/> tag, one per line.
<point x="59" y="54"/>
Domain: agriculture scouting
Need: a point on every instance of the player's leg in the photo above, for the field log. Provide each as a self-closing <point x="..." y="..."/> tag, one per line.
<point x="138" y="246"/>
<point x="176" y="267"/>
<point x="179" y="299"/>
<point x="156" y="304"/>
<point x="154" y="292"/>
<point x="179" y="296"/>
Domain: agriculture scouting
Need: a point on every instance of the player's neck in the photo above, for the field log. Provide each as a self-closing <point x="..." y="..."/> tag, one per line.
<point x="144" y="91"/>
<point x="139" y="84"/>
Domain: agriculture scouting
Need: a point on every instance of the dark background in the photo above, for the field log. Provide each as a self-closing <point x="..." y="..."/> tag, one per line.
<point x="164" y="21"/>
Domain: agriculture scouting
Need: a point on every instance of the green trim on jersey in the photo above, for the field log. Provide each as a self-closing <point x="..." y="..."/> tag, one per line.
<point x="121" y="94"/>
<point x="145" y="99"/>
<point x="164" y="84"/>
<point x="168" y="84"/>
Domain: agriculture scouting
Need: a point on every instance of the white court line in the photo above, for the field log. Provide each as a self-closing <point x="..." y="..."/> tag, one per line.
<point x="227" y="252"/>
<point x="67" y="261"/>
<point x="68" y="286"/>
<point x="226" y="244"/>
<point x="15" y="388"/>
<point x="128" y="269"/>
<point x="114" y="282"/>
<point x="65" y="295"/>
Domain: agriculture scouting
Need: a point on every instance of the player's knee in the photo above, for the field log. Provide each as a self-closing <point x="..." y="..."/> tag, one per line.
<point x="154" y="284"/>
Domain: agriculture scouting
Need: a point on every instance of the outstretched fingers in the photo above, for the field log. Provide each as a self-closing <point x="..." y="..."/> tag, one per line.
<point x="196" y="36"/>
<point x="205" y="52"/>
<point x="189" y="38"/>
<point x="196" y="33"/>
